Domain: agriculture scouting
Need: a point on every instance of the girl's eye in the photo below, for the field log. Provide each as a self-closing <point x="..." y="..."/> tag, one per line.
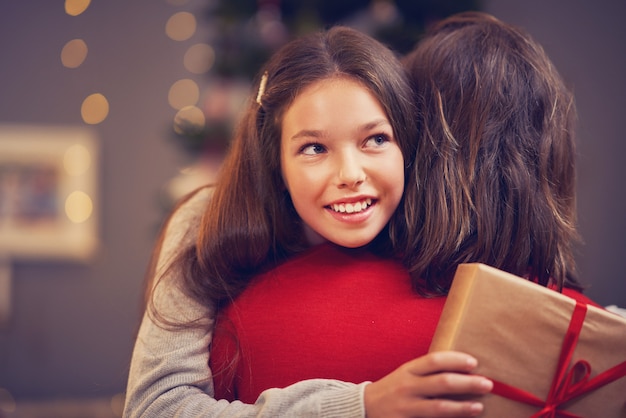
<point x="377" y="140"/>
<point x="312" y="149"/>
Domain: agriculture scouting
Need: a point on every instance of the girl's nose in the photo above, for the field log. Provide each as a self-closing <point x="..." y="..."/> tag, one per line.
<point x="350" y="172"/>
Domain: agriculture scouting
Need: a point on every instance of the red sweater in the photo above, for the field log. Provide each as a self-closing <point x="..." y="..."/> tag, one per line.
<point x="328" y="313"/>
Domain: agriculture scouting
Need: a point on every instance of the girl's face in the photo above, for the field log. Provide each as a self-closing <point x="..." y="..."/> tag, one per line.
<point x="341" y="163"/>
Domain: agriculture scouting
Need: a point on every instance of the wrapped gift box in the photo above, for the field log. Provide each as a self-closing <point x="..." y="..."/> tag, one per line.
<point x="516" y="329"/>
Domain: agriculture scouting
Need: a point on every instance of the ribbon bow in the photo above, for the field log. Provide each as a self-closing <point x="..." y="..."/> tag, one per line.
<point x="566" y="385"/>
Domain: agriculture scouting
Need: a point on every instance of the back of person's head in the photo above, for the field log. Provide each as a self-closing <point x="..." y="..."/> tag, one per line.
<point x="251" y="221"/>
<point x="494" y="177"/>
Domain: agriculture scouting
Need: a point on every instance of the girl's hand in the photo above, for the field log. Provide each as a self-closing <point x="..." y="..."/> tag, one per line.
<point x="415" y="388"/>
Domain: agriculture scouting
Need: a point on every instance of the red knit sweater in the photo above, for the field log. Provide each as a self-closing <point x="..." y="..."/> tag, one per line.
<point x="328" y="313"/>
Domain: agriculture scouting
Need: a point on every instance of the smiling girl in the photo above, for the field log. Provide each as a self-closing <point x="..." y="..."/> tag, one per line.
<point x="320" y="157"/>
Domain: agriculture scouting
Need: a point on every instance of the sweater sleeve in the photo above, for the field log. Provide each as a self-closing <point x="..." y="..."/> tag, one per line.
<point x="169" y="372"/>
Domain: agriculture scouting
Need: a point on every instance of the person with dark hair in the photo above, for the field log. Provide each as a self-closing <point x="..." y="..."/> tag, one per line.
<point x="318" y="161"/>
<point x="494" y="177"/>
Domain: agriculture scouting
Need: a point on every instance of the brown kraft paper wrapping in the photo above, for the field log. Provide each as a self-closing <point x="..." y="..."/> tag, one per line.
<point x="515" y="328"/>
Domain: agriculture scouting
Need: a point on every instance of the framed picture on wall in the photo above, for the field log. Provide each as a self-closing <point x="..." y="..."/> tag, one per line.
<point x="48" y="192"/>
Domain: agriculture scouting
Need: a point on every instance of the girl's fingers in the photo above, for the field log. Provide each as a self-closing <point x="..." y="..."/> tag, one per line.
<point x="446" y="408"/>
<point x="442" y="361"/>
<point x="446" y="373"/>
<point x="442" y="384"/>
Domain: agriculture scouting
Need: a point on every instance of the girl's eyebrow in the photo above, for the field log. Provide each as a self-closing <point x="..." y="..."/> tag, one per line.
<point x="308" y="133"/>
<point x="375" y="123"/>
<point x="314" y="133"/>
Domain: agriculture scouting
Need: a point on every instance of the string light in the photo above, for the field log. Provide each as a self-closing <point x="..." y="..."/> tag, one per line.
<point x="76" y="160"/>
<point x="74" y="53"/>
<point x="76" y="7"/>
<point x="78" y="206"/>
<point x="183" y="93"/>
<point x="95" y="109"/>
<point x="189" y="120"/>
<point x="181" y="26"/>
<point x="199" y="58"/>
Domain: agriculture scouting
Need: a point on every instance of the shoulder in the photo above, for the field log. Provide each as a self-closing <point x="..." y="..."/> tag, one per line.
<point x="186" y="216"/>
<point x="170" y="298"/>
<point x="190" y="208"/>
<point x="183" y="224"/>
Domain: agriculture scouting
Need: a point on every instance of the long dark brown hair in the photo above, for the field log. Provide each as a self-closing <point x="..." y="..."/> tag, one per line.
<point x="494" y="176"/>
<point x="250" y="223"/>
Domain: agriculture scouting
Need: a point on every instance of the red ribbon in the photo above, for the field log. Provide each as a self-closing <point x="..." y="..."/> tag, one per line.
<point x="566" y="385"/>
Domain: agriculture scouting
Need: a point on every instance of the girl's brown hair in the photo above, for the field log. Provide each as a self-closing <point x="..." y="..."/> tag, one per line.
<point x="494" y="176"/>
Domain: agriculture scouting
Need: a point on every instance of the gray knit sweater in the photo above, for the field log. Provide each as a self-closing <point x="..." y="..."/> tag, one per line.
<point x="169" y="373"/>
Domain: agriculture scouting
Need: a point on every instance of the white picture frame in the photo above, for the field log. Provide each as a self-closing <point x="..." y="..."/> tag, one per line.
<point x="48" y="192"/>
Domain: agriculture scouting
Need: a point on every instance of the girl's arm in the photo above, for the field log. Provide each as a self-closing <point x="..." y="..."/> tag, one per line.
<point x="169" y="376"/>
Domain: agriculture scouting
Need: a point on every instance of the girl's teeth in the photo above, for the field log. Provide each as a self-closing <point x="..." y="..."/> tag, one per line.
<point x="352" y="208"/>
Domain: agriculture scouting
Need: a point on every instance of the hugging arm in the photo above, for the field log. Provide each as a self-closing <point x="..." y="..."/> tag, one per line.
<point x="170" y="377"/>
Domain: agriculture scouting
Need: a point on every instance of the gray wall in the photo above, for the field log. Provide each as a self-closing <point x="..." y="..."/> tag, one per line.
<point x="73" y="325"/>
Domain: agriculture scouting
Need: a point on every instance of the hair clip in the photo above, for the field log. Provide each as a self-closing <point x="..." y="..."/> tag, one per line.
<point x="262" y="85"/>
